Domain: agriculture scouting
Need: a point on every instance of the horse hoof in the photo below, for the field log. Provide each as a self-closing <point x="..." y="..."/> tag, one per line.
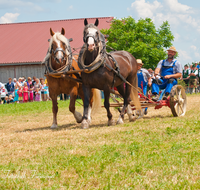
<point x="89" y="121"/>
<point x="85" y="124"/>
<point x="111" y="122"/>
<point x="140" y="116"/>
<point x="132" y="118"/>
<point x="78" y="117"/>
<point x="120" y="121"/>
<point x="54" y="126"/>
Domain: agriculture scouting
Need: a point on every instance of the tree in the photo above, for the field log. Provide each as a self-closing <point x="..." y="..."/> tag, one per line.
<point x="140" y="38"/>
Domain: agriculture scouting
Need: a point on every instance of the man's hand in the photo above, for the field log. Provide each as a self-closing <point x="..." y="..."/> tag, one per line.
<point x="167" y="76"/>
<point x="149" y="83"/>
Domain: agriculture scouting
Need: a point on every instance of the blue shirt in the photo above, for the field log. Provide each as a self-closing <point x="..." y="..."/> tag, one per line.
<point x="10" y="87"/>
<point x="145" y="74"/>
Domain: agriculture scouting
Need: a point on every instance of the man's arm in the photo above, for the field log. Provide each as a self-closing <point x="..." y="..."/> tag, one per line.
<point x="192" y="74"/>
<point x="149" y="81"/>
<point x="177" y="75"/>
<point x="157" y="71"/>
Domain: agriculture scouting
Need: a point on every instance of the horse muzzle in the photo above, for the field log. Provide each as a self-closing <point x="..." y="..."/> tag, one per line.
<point x="59" y="60"/>
<point x="91" y="47"/>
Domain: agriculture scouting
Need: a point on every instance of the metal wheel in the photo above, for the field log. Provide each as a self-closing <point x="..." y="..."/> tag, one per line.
<point x="178" y="101"/>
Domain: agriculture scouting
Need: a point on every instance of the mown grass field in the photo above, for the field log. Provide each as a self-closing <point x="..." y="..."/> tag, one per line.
<point x="158" y="151"/>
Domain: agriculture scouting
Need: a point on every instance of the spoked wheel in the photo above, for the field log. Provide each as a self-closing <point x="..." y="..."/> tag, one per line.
<point x="178" y="101"/>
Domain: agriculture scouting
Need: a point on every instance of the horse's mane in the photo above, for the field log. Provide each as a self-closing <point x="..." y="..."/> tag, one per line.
<point x="59" y="36"/>
<point x="62" y="38"/>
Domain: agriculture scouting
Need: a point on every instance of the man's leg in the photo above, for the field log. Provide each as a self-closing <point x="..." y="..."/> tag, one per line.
<point x="191" y="86"/>
<point x="195" y="85"/>
<point x="156" y="87"/>
<point x="145" y="93"/>
<point x="170" y="84"/>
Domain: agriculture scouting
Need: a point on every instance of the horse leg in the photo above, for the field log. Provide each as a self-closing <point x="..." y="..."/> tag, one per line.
<point x="121" y="90"/>
<point x="107" y="106"/>
<point x="85" y="122"/>
<point x="73" y="96"/>
<point x="55" y="111"/>
<point x="126" y="97"/>
<point x="129" y="90"/>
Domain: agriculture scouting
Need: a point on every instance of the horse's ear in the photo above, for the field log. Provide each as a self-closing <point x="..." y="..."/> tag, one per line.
<point x="51" y="32"/>
<point x="63" y="31"/>
<point x="85" y="22"/>
<point x="96" y="22"/>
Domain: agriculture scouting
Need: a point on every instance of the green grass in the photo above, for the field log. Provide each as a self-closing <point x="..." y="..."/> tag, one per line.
<point x="31" y="107"/>
<point x="151" y="153"/>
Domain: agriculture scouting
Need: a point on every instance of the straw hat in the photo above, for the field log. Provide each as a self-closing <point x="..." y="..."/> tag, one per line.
<point x="139" y="61"/>
<point x="172" y="48"/>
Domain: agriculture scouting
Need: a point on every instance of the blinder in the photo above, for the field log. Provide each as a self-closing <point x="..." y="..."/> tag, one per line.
<point x="56" y="50"/>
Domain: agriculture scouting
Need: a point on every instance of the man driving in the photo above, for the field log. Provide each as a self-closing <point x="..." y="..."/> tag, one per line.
<point x="170" y="70"/>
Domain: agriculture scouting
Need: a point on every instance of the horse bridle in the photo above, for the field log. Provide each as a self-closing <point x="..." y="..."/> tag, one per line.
<point x="56" y="50"/>
<point x="96" y="38"/>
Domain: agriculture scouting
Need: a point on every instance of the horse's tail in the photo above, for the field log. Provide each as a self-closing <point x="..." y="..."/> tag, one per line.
<point x="96" y="105"/>
<point x="134" y="94"/>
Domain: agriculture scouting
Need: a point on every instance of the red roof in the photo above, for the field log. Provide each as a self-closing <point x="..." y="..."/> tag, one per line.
<point x="28" y="42"/>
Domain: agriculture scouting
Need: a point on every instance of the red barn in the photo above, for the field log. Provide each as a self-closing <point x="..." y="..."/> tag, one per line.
<point x="24" y="45"/>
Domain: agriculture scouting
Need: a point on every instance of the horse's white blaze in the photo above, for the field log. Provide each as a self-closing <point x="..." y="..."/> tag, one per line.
<point x="90" y="41"/>
<point x="92" y="31"/>
<point x="59" y="54"/>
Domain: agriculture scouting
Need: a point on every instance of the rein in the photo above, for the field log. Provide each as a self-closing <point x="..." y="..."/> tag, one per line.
<point x="58" y="49"/>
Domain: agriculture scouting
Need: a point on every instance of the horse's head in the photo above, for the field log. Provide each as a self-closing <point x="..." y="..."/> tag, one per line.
<point x="91" y="35"/>
<point x="58" y="46"/>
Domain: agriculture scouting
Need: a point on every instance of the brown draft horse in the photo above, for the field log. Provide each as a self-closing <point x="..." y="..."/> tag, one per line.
<point x="59" y="58"/>
<point x="103" y="78"/>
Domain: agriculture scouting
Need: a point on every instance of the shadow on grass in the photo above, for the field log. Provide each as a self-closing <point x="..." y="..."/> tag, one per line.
<point x="157" y="116"/>
<point x="70" y="126"/>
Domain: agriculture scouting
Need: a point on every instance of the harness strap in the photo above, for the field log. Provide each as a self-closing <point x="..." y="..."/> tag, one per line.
<point x="95" y="64"/>
<point x="167" y="67"/>
<point x="116" y="67"/>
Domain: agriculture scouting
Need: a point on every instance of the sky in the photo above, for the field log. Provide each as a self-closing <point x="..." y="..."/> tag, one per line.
<point x="182" y="15"/>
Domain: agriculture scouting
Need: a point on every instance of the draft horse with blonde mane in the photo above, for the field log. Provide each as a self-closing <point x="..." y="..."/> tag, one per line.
<point x="59" y="60"/>
<point x="106" y="71"/>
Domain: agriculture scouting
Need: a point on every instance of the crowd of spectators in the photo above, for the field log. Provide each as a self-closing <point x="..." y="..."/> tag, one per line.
<point x="26" y="90"/>
<point x="191" y="77"/>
